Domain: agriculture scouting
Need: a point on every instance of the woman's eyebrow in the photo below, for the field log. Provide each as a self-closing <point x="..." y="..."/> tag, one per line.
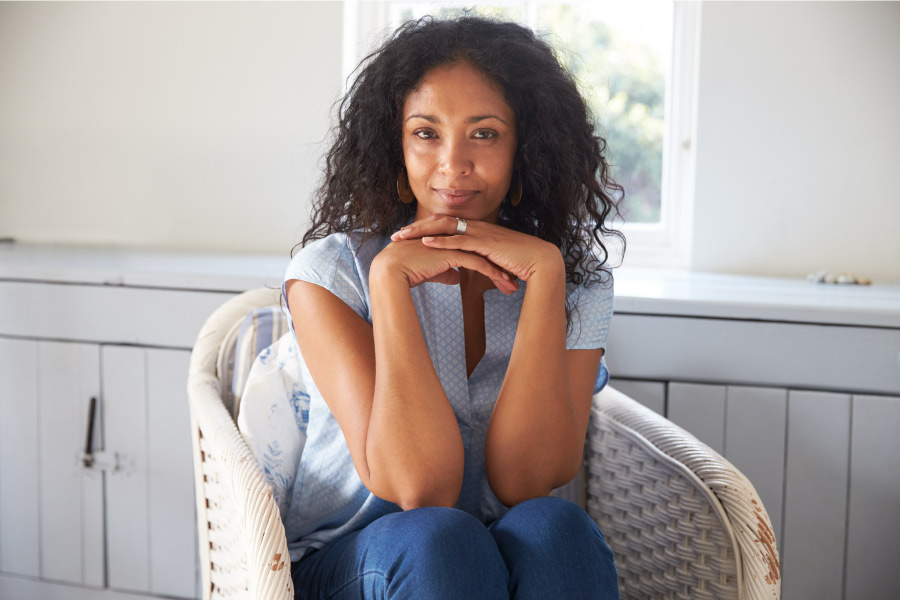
<point x="428" y="118"/>
<point x="478" y="118"/>
<point x="473" y="119"/>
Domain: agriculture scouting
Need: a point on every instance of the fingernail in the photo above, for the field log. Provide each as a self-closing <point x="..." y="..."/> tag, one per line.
<point x="395" y="235"/>
<point x="427" y="239"/>
<point x="505" y="276"/>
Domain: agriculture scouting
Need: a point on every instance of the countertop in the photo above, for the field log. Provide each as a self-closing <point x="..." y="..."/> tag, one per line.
<point x="638" y="290"/>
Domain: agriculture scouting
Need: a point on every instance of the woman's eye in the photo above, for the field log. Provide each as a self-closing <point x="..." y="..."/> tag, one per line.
<point x="485" y="134"/>
<point x="424" y="134"/>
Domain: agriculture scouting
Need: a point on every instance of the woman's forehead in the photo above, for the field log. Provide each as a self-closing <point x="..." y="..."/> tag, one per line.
<point x="460" y="89"/>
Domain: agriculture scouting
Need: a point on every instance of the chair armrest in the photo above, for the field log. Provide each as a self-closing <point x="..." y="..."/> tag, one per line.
<point x="677" y="514"/>
<point x="243" y="549"/>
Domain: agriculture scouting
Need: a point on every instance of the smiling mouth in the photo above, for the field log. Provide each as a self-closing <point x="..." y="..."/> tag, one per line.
<point x="456" y="196"/>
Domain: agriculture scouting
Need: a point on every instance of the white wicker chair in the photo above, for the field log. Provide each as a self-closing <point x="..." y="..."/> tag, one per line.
<point x="682" y="521"/>
<point x="243" y="551"/>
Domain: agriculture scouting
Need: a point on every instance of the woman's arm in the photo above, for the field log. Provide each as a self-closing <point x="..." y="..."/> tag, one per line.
<point x="535" y="440"/>
<point x="379" y="381"/>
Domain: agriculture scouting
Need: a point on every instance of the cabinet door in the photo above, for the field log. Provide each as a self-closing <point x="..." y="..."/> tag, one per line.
<point x="150" y="502"/>
<point x="873" y="528"/>
<point x="19" y="452"/>
<point x="71" y="497"/>
<point x="651" y="394"/>
<point x="700" y="408"/>
<point x="755" y="424"/>
<point x="815" y="508"/>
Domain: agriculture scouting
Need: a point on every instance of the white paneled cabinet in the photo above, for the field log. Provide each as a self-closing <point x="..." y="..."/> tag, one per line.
<point x="129" y="528"/>
<point x="71" y="497"/>
<point x="123" y="527"/>
<point x="798" y="385"/>
<point x="19" y="456"/>
<point x="873" y="527"/>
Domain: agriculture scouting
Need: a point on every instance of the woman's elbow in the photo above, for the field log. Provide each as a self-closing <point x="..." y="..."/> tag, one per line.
<point x="511" y="491"/>
<point x="513" y="486"/>
<point x="420" y="491"/>
<point x="441" y="498"/>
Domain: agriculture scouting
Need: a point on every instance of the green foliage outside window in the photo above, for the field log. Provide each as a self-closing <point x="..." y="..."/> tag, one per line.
<point x="623" y="81"/>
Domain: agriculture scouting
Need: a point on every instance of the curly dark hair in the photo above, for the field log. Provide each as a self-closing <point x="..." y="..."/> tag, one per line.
<point x="568" y="193"/>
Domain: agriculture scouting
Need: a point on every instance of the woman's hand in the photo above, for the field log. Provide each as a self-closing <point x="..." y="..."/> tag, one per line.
<point x="519" y="254"/>
<point x="418" y="263"/>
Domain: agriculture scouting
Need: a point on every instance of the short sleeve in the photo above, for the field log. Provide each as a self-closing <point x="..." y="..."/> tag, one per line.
<point x="330" y="263"/>
<point x="591" y="312"/>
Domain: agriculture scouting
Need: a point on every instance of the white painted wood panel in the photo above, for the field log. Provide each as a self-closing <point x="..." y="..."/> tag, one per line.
<point x="19" y="435"/>
<point x="815" y="509"/>
<point x="873" y="525"/>
<point x="700" y="409"/>
<point x="651" y="394"/>
<point x="106" y="314"/>
<point x="755" y="353"/>
<point x="755" y="428"/>
<point x="71" y="498"/>
<point x="173" y="551"/>
<point x="127" y="518"/>
<point x="20" y="588"/>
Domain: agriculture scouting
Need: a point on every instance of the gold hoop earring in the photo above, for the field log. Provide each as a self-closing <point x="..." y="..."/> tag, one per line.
<point x="404" y="192"/>
<point x="515" y="192"/>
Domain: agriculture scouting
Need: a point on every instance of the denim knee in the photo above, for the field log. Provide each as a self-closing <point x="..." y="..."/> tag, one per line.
<point x="443" y="553"/>
<point x="544" y="519"/>
<point x="552" y="548"/>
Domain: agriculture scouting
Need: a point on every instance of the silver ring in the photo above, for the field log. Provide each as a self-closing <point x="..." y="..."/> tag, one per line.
<point x="461" y="226"/>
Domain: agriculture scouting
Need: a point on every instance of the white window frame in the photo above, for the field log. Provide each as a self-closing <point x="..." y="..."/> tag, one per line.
<point x="664" y="244"/>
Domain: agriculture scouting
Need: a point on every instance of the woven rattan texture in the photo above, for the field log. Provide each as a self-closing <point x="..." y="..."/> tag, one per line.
<point x="668" y="540"/>
<point x="228" y="560"/>
<point x="624" y="440"/>
<point x="243" y="550"/>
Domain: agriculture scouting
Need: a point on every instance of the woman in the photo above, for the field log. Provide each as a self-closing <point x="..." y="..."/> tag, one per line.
<point x="451" y="306"/>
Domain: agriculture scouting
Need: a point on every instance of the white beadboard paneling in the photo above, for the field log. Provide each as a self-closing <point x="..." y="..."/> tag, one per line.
<point x="815" y="508"/>
<point x="651" y="394"/>
<point x="755" y="424"/>
<point x="125" y="407"/>
<point x="71" y="543"/>
<point x="755" y="353"/>
<point x="873" y="530"/>
<point x="700" y="409"/>
<point x="173" y="551"/>
<point x="106" y="314"/>
<point x="19" y="491"/>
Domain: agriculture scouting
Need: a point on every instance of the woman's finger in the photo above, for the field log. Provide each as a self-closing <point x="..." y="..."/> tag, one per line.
<point x="434" y="225"/>
<point x="498" y="276"/>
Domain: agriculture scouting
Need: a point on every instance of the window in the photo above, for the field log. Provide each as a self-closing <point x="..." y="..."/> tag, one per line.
<point x="634" y="63"/>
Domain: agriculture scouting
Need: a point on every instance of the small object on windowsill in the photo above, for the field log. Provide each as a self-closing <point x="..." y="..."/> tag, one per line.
<point x="824" y="276"/>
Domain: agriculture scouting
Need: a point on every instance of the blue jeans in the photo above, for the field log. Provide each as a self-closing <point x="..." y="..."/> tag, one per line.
<point x="545" y="548"/>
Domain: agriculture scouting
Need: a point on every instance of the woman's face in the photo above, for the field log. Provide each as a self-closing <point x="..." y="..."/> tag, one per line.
<point x="459" y="141"/>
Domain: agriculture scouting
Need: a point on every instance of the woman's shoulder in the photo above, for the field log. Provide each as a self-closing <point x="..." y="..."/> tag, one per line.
<point x="339" y="263"/>
<point x="337" y="252"/>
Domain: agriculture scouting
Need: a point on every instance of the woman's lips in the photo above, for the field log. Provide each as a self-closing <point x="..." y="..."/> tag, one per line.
<point x="456" y="197"/>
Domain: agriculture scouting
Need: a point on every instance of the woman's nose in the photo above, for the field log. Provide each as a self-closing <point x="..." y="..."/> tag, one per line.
<point x="455" y="160"/>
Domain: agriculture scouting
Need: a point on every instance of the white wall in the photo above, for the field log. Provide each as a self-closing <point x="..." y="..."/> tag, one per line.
<point x="798" y="140"/>
<point x="167" y="125"/>
<point x="199" y="125"/>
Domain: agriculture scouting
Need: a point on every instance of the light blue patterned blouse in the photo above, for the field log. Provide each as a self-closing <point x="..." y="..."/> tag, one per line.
<point x="327" y="498"/>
